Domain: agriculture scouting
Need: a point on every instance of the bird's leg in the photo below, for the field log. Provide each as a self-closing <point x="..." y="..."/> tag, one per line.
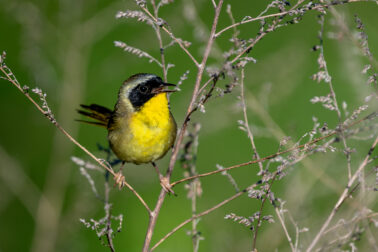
<point x="164" y="182"/>
<point x="121" y="167"/>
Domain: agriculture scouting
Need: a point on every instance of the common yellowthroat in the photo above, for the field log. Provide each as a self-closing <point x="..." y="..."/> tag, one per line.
<point x="141" y="128"/>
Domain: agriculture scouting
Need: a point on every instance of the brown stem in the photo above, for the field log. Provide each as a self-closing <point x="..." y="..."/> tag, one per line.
<point x="155" y="213"/>
<point x="202" y="214"/>
<point x="158" y="35"/>
<point x="272" y="155"/>
<point x="173" y="37"/>
<point x="109" y="169"/>
<point x="258" y="223"/>
<point x="152" y="221"/>
<point x="201" y="69"/>
<point x="246" y="124"/>
<point x="342" y="197"/>
<point x="280" y="14"/>
<point x="333" y="94"/>
<point x="108" y="217"/>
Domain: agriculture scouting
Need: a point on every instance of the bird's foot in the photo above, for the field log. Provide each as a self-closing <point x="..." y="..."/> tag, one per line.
<point x="164" y="182"/>
<point x="119" y="180"/>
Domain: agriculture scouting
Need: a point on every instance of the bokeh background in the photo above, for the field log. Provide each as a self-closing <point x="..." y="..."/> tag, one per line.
<point x="67" y="49"/>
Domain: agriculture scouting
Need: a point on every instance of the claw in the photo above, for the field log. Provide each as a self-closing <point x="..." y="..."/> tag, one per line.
<point x="164" y="182"/>
<point x="119" y="180"/>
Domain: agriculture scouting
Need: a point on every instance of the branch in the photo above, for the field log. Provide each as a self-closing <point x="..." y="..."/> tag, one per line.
<point x="343" y="197"/>
<point x="285" y="229"/>
<point x="258" y="223"/>
<point x="203" y="213"/>
<point x="328" y="79"/>
<point x="120" y="178"/>
<point x="154" y="214"/>
<point x="171" y="35"/>
<point x="281" y="14"/>
<point x="246" y="124"/>
<point x="158" y="35"/>
<point x="201" y="69"/>
<point x="108" y="217"/>
<point x="275" y="154"/>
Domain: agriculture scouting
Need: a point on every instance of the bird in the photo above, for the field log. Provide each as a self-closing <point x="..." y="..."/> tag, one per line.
<point x="141" y="128"/>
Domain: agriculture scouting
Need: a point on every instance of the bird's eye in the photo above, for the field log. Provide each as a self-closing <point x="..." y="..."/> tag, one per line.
<point x="143" y="89"/>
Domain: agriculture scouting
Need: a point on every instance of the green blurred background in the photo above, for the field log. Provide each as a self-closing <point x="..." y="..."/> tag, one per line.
<point x="66" y="48"/>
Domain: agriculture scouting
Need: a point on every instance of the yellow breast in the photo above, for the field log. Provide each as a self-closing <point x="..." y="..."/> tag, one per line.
<point x="145" y="135"/>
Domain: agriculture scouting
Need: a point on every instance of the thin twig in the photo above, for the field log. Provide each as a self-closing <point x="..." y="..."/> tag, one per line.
<point x="201" y="69"/>
<point x="246" y="124"/>
<point x="342" y="197"/>
<point x="276" y="22"/>
<point x="172" y="36"/>
<point x="100" y="162"/>
<point x="158" y="35"/>
<point x="152" y="220"/>
<point x="285" y="229"/>
<point x="221" y="204"/>
<point x="272" y="155"/>
<point x="277" y="132"/>
<point x="258" y="223"/>
<point x="202" y="214"/>
<point x="236" y="196"/>
<point x="347" y="31"/>
<point x="333" y="95"/>
<point x="154" y="214"/>
<point x="358" y="219"/>
<point x="194" y="187"/>
<point x="108" y="216"/>
<point x="280" y="14"/>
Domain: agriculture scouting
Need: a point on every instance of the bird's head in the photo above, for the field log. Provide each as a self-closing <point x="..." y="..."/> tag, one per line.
<point x="140" y="88"/>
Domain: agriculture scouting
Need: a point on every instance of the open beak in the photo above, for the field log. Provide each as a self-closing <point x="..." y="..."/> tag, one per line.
<point x="163" y="88"/>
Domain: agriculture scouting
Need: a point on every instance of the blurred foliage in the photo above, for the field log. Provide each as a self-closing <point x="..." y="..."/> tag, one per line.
<point x="66" y="48"/>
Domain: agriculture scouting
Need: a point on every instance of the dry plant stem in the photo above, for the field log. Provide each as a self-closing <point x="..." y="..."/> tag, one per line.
<point x="258" y="223"/>
<point x="195" y="238"/>
<point x="109" y="217"/>
<point x="251" y="162"/>
<point x="201" y="69"/>
<point x="154" y="214"/>
<point x="267" y="157"/>
<point x="214" y="3"/>
<point x="285" y="229"/>
<point x="205" y="85"/>
<point x="335" y="227"/>
<point x="172" y="36"/>
<point x="258" y="38"/>
<point x="274" y="15"/>
<point x="73" y="140"/>
<point x="255" y="105"/>
<point x="214" y="208"/>
<point x="202" y="214"/>
<point x="347" y="31"/>
<point x="250" y="135"/>
<point x="333" y="94"/>
<point x="158" y="35"/>
<point x="297" y="231"/>
<point x="152" y="220"/>
<point x="342" y="198"/>
<point x="193" y="191"/>
<point x="255" y="156"/>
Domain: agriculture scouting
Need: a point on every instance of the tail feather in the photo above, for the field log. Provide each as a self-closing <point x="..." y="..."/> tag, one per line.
<point x="96" y="112"/>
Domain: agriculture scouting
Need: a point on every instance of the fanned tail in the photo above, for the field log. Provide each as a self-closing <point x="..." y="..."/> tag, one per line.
<point x="96" y="112"/>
